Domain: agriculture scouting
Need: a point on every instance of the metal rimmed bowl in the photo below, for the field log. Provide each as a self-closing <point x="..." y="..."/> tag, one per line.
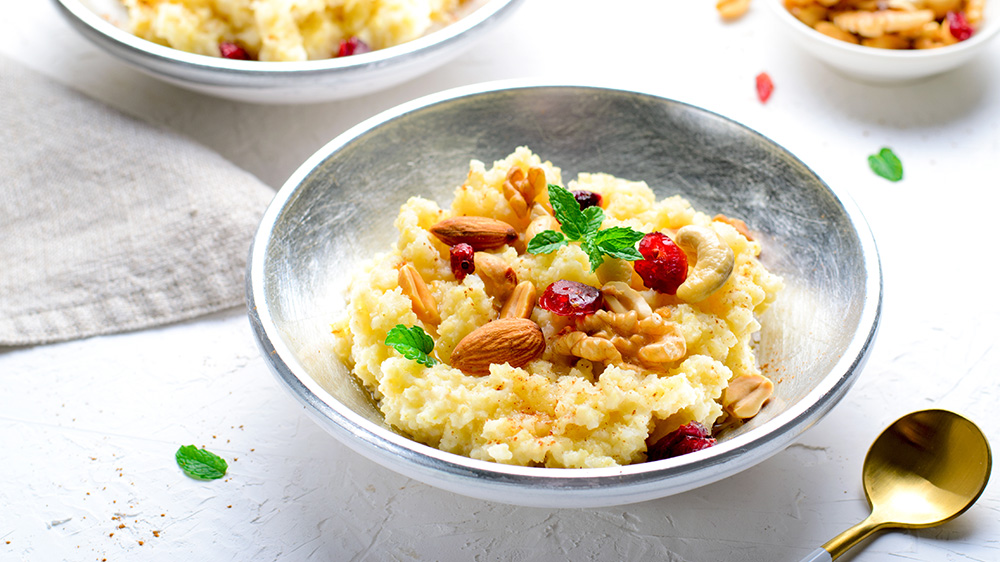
<point x="338" y="209"/>
<point x="103" y="22"/>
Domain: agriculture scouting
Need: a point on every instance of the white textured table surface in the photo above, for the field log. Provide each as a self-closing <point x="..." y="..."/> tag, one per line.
<point x="88" y="429"/>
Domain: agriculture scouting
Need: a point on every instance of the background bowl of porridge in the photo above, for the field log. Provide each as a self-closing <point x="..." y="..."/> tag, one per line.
<point x="106" y="23"/>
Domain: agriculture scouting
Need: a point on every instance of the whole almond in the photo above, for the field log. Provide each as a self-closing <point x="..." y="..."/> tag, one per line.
<point x="515" y="341"/>
<point x="481" y="233"/>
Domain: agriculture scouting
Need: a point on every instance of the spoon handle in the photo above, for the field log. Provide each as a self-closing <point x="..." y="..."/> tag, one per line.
<point x="840" y="543"/>
<point x="818" y="555"/>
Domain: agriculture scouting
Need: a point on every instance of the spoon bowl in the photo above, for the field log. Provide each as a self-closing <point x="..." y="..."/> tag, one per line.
<point x="926" y="468"/>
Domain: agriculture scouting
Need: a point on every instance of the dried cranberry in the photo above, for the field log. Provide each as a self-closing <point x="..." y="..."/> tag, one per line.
<point x="764" y="87"/>
<point x="665" y="265"/>
<point x="352" y="46"/>
<point x="958" y="25"/>
<point x="587" y="198"/>
<point x="687" y="438"/>
<point x="570" y="298"/>
<point x="463" y="260"/>
<point x="233" y="51"/>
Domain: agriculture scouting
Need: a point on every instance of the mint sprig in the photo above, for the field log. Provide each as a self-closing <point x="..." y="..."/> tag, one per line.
<point x="886" y="164"/>
<point x="200" y="464"/>
<point x="584" y="226"/>
<point x="413" y="343"/>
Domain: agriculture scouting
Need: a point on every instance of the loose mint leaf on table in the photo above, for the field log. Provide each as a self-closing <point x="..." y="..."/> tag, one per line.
<point x="585" y="227"/>
<point x="200" y="463"/>
<point x="413" y="343"/>
<point x="886" y="164"/>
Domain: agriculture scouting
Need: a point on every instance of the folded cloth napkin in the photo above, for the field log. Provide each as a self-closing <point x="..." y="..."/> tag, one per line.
<point x="108" y="223"/>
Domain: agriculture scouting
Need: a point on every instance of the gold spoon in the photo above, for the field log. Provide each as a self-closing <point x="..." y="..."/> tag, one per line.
<point x="926" y="468"/>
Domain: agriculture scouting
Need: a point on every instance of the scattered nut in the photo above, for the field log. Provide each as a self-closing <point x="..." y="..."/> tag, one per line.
<point x="540" y="223"/>
<point x="669" y="346"/>
<point x="414" y="287"/>
<point x="713" y="262"/>
<point x="638" y="334"/>
<point x="830" y="30"/>
<point x="732" y="9"/>
<point x="498" y="277"/>
<point x="592" y="348"/>
<point x="619" y="297"/>
<point x="521" y="301"/>
<point x="876" y="24"/>
<point x="520" y="189"/>
<point x="746" y="394"/>
<point x="515" y="341"/>
<point x="481" y="233"/>
<point x="739" y="225"/>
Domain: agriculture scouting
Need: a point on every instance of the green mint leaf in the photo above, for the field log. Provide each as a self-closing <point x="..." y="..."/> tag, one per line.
<point x="593" y="252"/>
<point x="567" y="211"/>
<point x="886" y="164"/>
<point x="619" y="242"/>
<point x="412" y="343"/>
<point x="200" y="464"/>
<point x="595" y="218"/>
<point x="546" y="242"/>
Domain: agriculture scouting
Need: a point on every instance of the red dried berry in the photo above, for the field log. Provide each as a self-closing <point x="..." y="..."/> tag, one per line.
<point x="665" y="265"/>
<point x="764" y="87"/>
<point x="233" y="51"/>
<point x="687" y="445"/>
<point x="959" y="26"/>
<point x="570" y="298"/>
<point x="352" y="46"/>
<point x="587" y="198"/>
<point x="687" y="438"/>
<point x="463" y="260"/>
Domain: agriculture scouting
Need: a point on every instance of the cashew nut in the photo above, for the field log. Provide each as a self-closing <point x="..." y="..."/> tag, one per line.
<point x="619" y="297"/>
<point x="714" y="262"/>
<point x="499" y="279"/>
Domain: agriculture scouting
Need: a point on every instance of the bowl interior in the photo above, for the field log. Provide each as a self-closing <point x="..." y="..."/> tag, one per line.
<point x="339" y="208"/>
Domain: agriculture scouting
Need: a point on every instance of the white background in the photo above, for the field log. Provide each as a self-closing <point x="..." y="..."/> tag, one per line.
<point x="88" y="429"/>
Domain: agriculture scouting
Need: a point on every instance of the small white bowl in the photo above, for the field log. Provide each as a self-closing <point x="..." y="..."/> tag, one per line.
<point x="284" y="82"/>
<point x="870" y="64"/>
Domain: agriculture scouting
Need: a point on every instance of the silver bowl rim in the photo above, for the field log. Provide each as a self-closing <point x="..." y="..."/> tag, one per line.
<point x="219" y="71"/>
<point x="376" y="442"/>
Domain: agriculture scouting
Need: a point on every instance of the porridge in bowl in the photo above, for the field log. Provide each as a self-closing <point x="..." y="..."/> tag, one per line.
<point x="278" y="30"/>
<point x="586" y="326"/>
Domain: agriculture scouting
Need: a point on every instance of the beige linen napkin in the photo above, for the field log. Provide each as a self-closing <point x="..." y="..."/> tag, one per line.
<point x="108" y="223"/>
